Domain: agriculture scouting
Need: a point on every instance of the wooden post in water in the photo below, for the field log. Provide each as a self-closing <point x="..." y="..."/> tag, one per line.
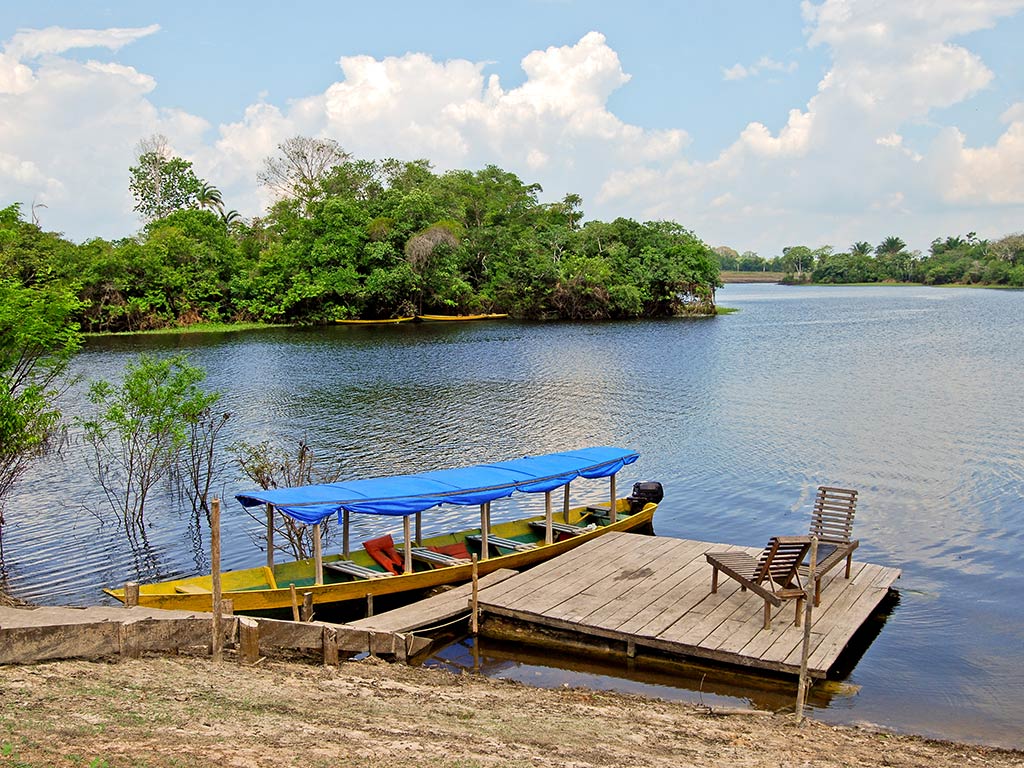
<point x="295" y="602"/>
<point x="474" y="613"/>
<point x="218" y="635"/>
<point x="318" y="555"/>
<point x="549" y="535"/>
<point x="344" y="532"/>
<point x="565" y="505"/>
<point x="407" y="554"/>
<point x="270" y="536"/>
<point x="613" y="509"/>
<point x="131" y="594"/>
<point x="805" y="651"/>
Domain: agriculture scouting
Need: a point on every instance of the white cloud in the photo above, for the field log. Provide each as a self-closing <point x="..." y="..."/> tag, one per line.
<point x="764" y="64"/>
<point x="31" y="43"/>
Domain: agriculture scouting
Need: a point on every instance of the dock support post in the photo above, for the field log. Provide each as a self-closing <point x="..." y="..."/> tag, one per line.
<point x="218" y="636"/>
<point x="613" y="508"/>
<point x="369" y="604"/>
<point x="549" y="535"/>
<point x="330" y="643"/>
<point x="131" y="594"/>
<point x="295" y="602"/>
<point x="474" y="614"/>
<point x="804" y="684"/>
<point x="248" y="640"/>
<point x="565" y="505"/>
<point x="318" y="555"/>
<point x="270" y="536"/>
<point x="307" y="606"/>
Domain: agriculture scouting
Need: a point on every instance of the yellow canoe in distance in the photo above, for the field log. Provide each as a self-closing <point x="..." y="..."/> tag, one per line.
<point x="459" y="318"/>
<point x="386" y="320"/>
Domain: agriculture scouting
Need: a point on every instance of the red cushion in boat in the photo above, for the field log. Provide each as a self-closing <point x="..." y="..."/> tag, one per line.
<point x="382" y="549"/>
<point x="455" y="550"/>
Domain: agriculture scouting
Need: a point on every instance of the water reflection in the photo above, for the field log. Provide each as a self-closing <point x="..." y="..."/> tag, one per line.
<point x="910" y="395"/>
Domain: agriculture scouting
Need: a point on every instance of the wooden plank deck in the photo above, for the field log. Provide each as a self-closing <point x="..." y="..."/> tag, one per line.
<point x="655" y="591"/>
<point x="431" y="611"/>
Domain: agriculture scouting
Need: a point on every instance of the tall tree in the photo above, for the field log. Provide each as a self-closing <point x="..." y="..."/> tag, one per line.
<point x="300" y="167"/>
<point x="162" y="183"/>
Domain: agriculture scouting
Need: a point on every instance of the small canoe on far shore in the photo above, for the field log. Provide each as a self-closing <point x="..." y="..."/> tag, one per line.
<point x="382" y="321"/>
<point x="459" y="318"/>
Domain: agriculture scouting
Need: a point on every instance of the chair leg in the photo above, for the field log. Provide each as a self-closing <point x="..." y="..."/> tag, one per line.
<point x="849" y="564"/>
<point x="817" y="591"/>
<point x="767" y="615"/>
<point x="714" y="580"/>
<point x="799" y="612"/>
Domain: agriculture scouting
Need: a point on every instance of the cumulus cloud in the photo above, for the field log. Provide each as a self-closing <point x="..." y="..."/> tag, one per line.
<point x="836" y="167"/>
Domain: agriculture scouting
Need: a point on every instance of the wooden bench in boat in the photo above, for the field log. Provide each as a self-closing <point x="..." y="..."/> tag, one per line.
<point x="567" y="528"/>
<point x="191" y="589"/>
<point x="437" y="558"/>
<point x="354" y="569"/>
<point x="498" y="541"/>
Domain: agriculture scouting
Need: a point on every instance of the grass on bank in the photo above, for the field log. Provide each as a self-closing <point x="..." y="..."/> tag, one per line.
<point x="194" y="328"/>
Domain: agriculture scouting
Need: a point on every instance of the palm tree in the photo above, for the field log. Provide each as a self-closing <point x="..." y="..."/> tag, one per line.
<point x="230" y="217"/>
<point x="209" y="197"/>
<point x="891" y="245"/>
<point x="861" y="248"/>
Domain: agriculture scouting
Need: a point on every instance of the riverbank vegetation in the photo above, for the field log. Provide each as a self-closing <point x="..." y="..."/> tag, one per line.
<point x="359" y="238"/>
<point x="953" y="260"/>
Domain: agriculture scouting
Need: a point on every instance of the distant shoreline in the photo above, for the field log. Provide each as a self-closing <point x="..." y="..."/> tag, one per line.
<point x="750" y="277"/>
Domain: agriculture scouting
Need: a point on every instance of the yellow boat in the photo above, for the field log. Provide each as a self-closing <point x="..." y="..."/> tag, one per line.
<point x="388" y="320"/>
<point x="420" y="563"/>
<point x="459" y="318"/>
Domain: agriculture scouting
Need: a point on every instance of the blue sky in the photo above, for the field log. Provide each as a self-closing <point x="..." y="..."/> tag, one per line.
<point x="756" y="124"/>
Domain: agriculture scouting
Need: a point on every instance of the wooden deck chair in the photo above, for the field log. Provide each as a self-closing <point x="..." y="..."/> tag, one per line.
<point x="832" y="523"/>
<point x="773" y="575"/>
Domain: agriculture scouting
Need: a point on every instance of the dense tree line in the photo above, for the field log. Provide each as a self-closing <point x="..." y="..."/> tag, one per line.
<point x="358" y="238"/>
<point x="965" y="260"/>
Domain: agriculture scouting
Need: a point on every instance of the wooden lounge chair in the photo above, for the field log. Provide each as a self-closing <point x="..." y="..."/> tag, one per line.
<point x="773" y="575"/>
<point x="832" y="523"/>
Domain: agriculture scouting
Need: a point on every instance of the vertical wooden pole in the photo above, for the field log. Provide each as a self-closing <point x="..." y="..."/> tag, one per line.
<point x="369" y="604"/>
<point x="318" y="555"/>
<point x="805" y="651"/>
<point x="474" y="614"/>
<point x="131" y="594"/>
<point x="484" y="526"/>
<point x="565" y="505"/>
<point x="345" y="532"/>
<point x="613" y="509"/>
<point x="307" y="606"/>
<point x="419" y="528"/>
<point x="295" y="602"/>
<point x="407" y="555"/>
<point x="218" y="635"/>
<point x="549" y="535"/>
<point x="270" y="536"/>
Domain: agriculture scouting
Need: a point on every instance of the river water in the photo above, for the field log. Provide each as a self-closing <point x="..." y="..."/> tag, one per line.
<point x="913" y="396"/>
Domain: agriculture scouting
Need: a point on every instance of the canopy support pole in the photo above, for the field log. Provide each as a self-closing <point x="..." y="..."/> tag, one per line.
<point x="407" y="565"/>
<point x="613" y="509"/>
<point x="565" y="504"/>
<point x="549" y="536"/>
<point x="270" y="536"/>
<point x="485" y="525"/>
<point x="345" y="522"/>
<point x="419" y="528"/>
<point x="318" y="555"/>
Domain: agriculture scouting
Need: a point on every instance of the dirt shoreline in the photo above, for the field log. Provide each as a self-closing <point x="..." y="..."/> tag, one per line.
<point x="186" y="711"/>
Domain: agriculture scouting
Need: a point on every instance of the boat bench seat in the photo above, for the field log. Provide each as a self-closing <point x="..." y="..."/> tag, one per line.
<point x="191" y="589"/>
<point x="354" y="569"/>
<point x="501" y="543"/>
<point x="566" y="528"/>
<point x="437" y="558"/>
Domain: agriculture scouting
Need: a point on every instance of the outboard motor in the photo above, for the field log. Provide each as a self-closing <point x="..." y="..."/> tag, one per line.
<point x="644" y="493"/>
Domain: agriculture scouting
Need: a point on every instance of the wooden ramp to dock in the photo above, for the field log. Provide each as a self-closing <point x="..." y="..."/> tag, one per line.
<point x="655" y="592"/>
<point x="431" y="611"/>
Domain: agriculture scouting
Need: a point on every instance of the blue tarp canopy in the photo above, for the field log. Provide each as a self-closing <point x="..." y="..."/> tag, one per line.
<point x="408" y="494"/>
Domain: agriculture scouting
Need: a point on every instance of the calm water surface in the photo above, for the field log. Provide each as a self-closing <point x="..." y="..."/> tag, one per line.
<point x="911" y="395"/>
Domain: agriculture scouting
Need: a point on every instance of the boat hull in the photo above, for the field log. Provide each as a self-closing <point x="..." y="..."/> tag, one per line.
<point x="257" y="590"/>
<point x="458" y="318"/>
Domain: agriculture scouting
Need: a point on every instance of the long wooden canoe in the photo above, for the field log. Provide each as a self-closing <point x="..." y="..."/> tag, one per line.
<point x="459" y="318"/>
<point x="383" y="321"/>
<point x="265" y="588"/>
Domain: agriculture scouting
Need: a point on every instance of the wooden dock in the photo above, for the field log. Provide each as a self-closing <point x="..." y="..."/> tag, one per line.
<point x="655" y="592"/>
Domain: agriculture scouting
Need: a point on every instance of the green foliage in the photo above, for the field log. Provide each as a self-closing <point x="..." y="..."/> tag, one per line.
<point x="37" y="338"/>
<point x="140" y="427"/>
<point x="162" y="185"/>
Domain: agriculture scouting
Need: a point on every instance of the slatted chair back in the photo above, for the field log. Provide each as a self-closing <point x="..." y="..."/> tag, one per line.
<point x="779" y="560"/>
<point x="832" y="518"/>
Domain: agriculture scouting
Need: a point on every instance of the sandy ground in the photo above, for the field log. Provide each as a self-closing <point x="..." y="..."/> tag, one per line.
<point x="185" y="711"/>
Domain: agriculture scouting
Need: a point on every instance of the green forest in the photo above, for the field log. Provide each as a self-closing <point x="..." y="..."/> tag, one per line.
<point x="351" y="238"/>
<point x="953" y="260"/>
